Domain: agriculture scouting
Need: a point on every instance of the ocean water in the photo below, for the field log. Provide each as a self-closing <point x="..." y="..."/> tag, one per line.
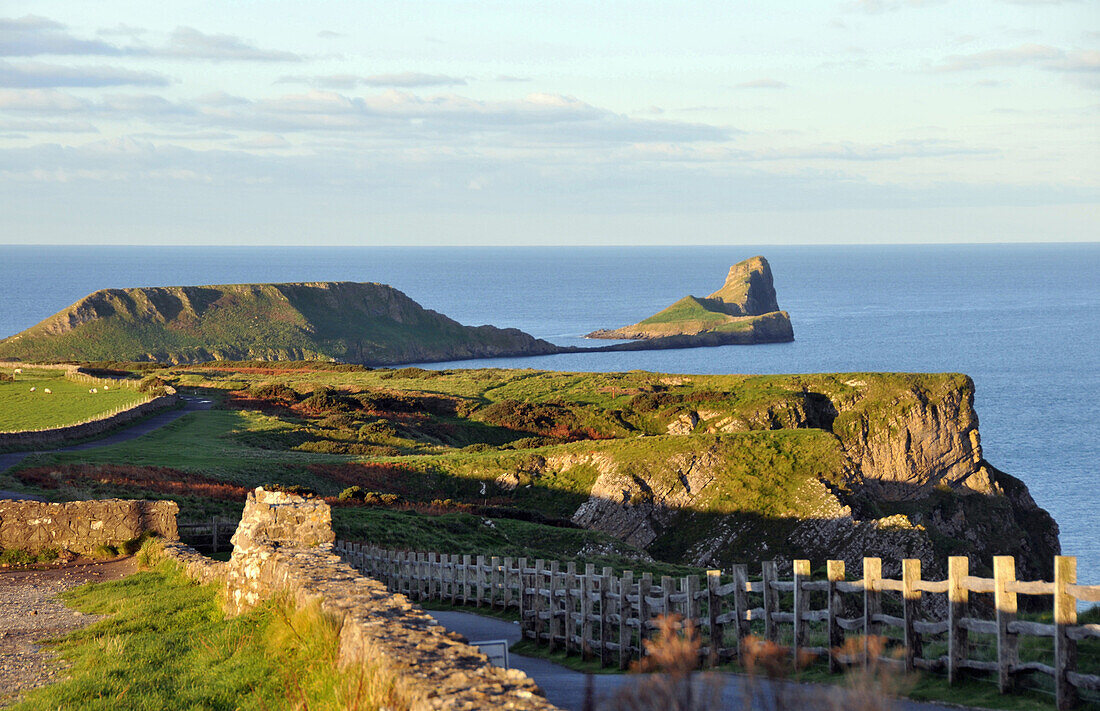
<point x="1022" y="320"/>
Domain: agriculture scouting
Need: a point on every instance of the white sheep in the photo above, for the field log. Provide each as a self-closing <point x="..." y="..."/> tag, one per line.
<point x="33" y="389"/>
<point x="47" y="391"/>
<point x="17" y="371"/>
<point x="106" y="387"/>
<point x="93" y="390"/>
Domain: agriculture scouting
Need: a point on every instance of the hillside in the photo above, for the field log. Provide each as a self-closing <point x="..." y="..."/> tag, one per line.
<point x="364" y="323"/>
<point x="691" y="469"/>
<point x="743" y="311"/>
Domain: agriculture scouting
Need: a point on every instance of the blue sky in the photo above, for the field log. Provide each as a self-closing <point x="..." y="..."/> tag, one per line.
<point x="423" y="123"/>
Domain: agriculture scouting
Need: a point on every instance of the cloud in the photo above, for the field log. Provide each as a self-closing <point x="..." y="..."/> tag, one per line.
<point x="122" y="30"/>
<point x="40" y="126"/>
<point x="31" y="36"/>
<point x="762" y="84"/>
<point x="187" y="42"/>
<point x="1081" y="66"/>
<point x="47" y="101"/>
<point x="39" y="75"/>
<point x="329" y="34"/>
<point x="265" y="142"/>
<point x="403" y="80"/>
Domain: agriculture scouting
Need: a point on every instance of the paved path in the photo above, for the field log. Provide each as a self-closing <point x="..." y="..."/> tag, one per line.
<point x="190" y="404"/>
<point x="566" y="688"/>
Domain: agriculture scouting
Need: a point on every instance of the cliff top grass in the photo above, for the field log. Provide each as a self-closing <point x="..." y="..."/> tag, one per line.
<point x="70" y="401"/>
<point x="165" y="644"/>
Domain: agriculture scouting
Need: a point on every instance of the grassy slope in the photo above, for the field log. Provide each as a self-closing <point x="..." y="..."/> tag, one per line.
<point x="166" y="645"/>
<point x="70" y="402"/>
<point x="369" y="322"/>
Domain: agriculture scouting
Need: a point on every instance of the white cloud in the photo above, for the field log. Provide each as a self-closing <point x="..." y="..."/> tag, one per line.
<point x="404" y="80"/>
<point x="37" y="74"/>
<point x="187" y="42"/>
<point x="762" y="84"/>
<point x="32" y="35"/>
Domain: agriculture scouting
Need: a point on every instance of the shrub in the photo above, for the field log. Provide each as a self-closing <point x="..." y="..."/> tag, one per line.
<point x="291" y="489"/>
<point x="378" y="428"/>
<point x="276" y="392"/>
<point x="6" y="378"/>
<point x="479" y="447"/>
<point x="352" y="493"/>
<point x="150" y="383"/>
<point x="327" y="399"/>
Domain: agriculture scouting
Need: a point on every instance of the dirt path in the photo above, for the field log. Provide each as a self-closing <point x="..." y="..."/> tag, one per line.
<point x="30" y="613"/>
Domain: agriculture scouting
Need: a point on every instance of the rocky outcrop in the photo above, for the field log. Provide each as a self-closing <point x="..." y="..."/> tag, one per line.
<point x="742" y="312"/>
<point x="82" y="526"/>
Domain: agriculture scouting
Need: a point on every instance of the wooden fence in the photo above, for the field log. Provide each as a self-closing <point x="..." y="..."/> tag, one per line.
<point x="214" y="533"/>
<point x="606" y="616"/>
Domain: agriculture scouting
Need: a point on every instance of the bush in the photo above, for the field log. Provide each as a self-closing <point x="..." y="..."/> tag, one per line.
<point x="151" y="383"/>
<point x="479" y="447"/>
<point x="297" y="489"/>
<point x="378" y="428"/>
<point x="276" y="392"/>
<point x="352" y="493"/>
<point x="327" y="399"/>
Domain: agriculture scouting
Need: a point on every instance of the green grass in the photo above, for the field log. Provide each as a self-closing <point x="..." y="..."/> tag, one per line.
<point x="167" y="645"/>
<point x="70" y="402"/>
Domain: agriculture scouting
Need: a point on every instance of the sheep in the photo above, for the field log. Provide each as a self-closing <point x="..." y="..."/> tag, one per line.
<point x="106" y="387"/>
<point x="47" y="391"/>
<point x="93" y="390"/>
<point x="33" y="389"/>
<point x="17" y="371"/>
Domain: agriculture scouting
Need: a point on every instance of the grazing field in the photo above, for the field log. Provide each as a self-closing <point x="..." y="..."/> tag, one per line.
<point x="69" y="402"/>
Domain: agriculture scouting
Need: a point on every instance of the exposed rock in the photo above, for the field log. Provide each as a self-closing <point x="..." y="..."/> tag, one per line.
<point x="743" y="311"/>
<point x="82" y="526"/>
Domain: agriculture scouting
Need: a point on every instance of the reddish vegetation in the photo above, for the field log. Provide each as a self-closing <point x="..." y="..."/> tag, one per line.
<point x="373" y="476"/>
<point x="160" y="479"/>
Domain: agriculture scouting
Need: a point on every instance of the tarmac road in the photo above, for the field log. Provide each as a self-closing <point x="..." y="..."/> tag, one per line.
<point x="566" y="688"/>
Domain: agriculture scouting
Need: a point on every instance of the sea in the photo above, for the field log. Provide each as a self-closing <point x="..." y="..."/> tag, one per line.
<point x="1023" y="320"/>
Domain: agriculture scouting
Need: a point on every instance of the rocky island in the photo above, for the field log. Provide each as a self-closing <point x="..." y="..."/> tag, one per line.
<point x="743" y="311"/>
<point x="350" y="322"/>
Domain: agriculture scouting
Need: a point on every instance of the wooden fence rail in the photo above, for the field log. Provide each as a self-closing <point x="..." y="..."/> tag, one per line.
<point x="608" y="617"/>
<point x="217" y="530"/>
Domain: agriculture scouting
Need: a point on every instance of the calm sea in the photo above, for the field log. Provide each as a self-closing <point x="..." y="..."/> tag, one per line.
<point x="1022" y="320"/>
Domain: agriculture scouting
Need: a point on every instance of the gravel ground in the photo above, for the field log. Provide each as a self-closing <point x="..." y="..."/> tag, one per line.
<point x="30" y="613"/>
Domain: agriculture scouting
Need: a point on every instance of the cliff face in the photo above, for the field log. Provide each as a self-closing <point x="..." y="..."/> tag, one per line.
<point x="367" y="323"/>
<point x="743" y="311"/>
<point x="869" y="468"/>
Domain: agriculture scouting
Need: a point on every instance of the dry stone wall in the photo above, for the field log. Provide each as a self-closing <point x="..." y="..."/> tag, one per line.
<point x="284" y="545"/>
<point x="80" y="526"/>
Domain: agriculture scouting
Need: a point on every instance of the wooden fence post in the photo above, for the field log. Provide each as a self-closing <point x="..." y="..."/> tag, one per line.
<point x="553" y="604"/>
<point x="494" y="581"/>
<point x="801" y="605"/>
<point x="605" y="585"/>
<point x="506" y="592"/>
<point x="644" y="613"/>
<point x="626" y="609"/>
<point x="466" y="564"/>
<point x="214" y="534"/>
<point x="1008" y="655"/>
<point x="586" y="610"/>
<point x="521" y="590"/>
<point x="540" y="570"/>
<point x="1065" y="615"/>
<point x="835" y="571"/>
<point x="714" y="608"/>
<point x="958" y="596"/>
<point x="667" y="586"/>
<point x="771" y="600"/>
<point x="872" y="603"/>
<point x="743" y="626"/>
<point x="571" y="583"/>
<point x="910" y="576"/>
<point x="479" y="575"/>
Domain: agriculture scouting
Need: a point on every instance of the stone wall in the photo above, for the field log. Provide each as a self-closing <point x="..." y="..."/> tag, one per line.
<point x="284" y="545"/>
<point x="37" y="439"/>
<point x="80" y="526"/>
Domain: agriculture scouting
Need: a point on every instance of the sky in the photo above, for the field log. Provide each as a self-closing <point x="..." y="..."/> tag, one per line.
<point x="425" y="122"/>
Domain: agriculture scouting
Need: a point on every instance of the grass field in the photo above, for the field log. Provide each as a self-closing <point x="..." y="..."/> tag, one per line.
<point x="69" y="403"/>
<point x="165" y="644"/>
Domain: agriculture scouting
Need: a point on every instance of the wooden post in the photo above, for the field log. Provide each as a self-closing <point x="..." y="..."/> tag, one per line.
<point x="423" y="578"/>
<point x="521" y="589"/>
<point x="1008" y="656"/>
<point x="214" y="534"/>
<point x="553" y="605"/>
<point x="540" y="570"/>
<point x="835" y="572"/>
<point x="433" y="560"/>
<point x="714" y="608"/>
<point x="958" y="597"/>
<point x="506" y="593"/>
<point x="741" y="607"/>
<point x="626" y="610"/>
<point x="466" y="562"/>
<point x="801" y="605"/>
<point x="571" y="583"/>
<point x="494" y="581"/>
<point x="586" y="610"/>
<point x="667" y="586"/>
<point x="644" y="613"/>
<point x="479" y="575"/>
<point x="910" y="576"/>
<point x="1065" y="615"/>
<point x="605" y="588"/>
<point x="872" y="603"/>
<point x="771" y="600"/>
